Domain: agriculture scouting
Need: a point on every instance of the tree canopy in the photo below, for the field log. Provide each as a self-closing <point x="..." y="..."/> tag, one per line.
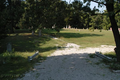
<point x="39" y="14"/>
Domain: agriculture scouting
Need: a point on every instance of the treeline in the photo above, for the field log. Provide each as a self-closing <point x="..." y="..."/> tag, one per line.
<point x="39" y="14"/>
<point x="101" y="21"/>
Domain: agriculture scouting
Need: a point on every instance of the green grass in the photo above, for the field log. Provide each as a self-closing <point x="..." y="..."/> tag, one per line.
<point x="86" y="38"/>
<point x="111" y="54"/>
<point x="24" y="45"/>
<point x="112" y="64"/>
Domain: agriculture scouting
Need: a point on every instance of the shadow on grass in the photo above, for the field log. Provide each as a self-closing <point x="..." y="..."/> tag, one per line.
<point x="25" y="43"/>
<point x="77" y="35"/>
<point x="12" y="66"/>
<point x="22" y="31"/>
<point x="28" y="43"/>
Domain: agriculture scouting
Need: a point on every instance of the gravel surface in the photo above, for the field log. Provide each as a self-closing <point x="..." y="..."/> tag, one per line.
<point x="73" y="63"/>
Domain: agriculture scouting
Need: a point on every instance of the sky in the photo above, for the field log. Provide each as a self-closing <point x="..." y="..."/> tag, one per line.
<point x="91" y="6"/>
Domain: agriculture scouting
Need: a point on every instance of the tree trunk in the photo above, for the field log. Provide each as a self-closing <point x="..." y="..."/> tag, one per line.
<point x="12" y="25"/>
<point x="110" y="9"/>
<point x="116" y="36"/>
<point x="11" y="17"/>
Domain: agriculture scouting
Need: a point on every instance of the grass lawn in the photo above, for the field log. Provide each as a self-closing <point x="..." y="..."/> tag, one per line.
<point x="86" y="38"/>
<point x="24" y="44"/>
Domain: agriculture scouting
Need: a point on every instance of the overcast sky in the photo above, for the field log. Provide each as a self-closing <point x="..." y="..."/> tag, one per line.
<point x="92" y="5"/>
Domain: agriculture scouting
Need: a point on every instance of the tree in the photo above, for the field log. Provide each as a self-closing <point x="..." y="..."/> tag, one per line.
<point x="60" y="15"/>
<point x="112" y="11"/>
<point x="32" y="16"/>
<point x="69" y="13"/>
<point x="14" y="12"/>
<point x="53" y="14"/>
<point x="2" y="19"/>
<point x="106" y="23"/>
<point x="44" y="13"/>
<point x="96" y="22"/>
<point x="86" y="17"/>
<point x="117" y="17"/>
<point x="78" y="15"/>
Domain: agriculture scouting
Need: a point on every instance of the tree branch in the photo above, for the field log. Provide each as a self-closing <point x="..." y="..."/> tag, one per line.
<point x="117" y="11"/>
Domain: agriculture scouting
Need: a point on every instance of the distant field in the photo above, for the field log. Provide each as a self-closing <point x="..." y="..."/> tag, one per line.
<point x="86" y="38"/>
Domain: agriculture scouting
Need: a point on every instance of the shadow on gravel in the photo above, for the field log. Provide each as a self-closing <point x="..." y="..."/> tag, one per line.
<point x="76" y="66"/>
<point x="23" y="43"/>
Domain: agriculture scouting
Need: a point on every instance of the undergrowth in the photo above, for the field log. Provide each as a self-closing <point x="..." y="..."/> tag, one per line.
<point x="113" y="64"/>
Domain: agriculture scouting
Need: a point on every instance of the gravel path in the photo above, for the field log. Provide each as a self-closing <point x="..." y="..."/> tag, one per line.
<point x="73" y="63"/>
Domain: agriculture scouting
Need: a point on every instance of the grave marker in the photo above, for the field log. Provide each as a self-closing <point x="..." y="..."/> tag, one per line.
<point x="9" y="47"/>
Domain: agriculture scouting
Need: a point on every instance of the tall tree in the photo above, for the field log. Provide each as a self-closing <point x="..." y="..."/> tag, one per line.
<point x="78" y="14"/>
<point x="2" y="19"/>
<point x="44" y="13"/>
<point x="14" y="13"/>
<point x="106" y="22"/>
<point x="112" y="11"/>
<point x="96" y="22"/>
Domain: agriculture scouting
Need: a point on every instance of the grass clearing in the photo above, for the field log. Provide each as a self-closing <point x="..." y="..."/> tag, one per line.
<point x="86" y="38"/>
<point x="24" y="45"/>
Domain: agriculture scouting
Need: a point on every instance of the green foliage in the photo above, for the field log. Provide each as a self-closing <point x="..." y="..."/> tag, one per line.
<point x="10" y="13"/>
<point x="117" y="17"/>
<point x="42" y="14"/>
<point x="112" y="64"/>
<point x="106" y="23"/>
<point x="24" y="44"/>
<point x="38" y="14"/>
<point x="113" y="8"/>
<point x="78" y="15"/>
<point x="2" y="20"/>
<point x="96" y="22"/>
<point x="115" y="66"/>
<point x="91" y="28"/>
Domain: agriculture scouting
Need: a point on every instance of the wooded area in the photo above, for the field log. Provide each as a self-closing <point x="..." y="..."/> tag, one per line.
<point x="39" y="14"/>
